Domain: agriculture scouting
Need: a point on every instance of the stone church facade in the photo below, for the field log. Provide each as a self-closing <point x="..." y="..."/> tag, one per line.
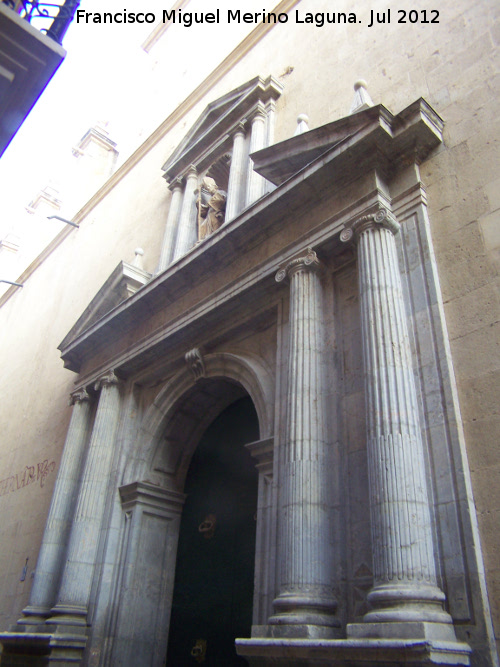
<point x="276" y="445"/>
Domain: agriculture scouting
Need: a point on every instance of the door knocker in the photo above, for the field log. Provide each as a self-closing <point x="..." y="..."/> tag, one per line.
<point x="207" y="526"/>
<point x="199" y="650"/>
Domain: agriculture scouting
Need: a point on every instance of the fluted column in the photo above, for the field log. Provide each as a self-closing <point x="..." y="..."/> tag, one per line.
<point x="187" y="232"/>
<point x="74" y="592"/>
<point x="306" y="599"/>
<point x="405" y="590"/>
<point x="236" y="174"/>
<point x="58" y="526"/>
<point x="256" y="184"/>
<point x="167" y="249"/>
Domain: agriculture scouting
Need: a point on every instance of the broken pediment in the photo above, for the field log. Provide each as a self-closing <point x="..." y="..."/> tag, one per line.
<point x="412" y="133"/>
<point x="125" y="280"/>
<point x="210" y="132"/>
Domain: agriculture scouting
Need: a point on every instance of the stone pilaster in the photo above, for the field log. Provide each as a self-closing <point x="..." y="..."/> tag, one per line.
<point x="305" y="605"/>
<point x="167" y="248"/>
<point x="187" y="232"/>
<point x="256" y="184"/>
<point x="236" y="174"/>
<point x="265" y="559"/>
<point x="406" y="599"/>
<point x="57" y="529"/>
<point x="74" y="592"/>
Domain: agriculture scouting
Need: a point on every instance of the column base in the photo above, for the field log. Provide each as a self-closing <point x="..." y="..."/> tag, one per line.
<point x="306" y="616"/>
<point x="63" y="614"/>
<point x="33" y="615"/>
<point x="296" y="631"/>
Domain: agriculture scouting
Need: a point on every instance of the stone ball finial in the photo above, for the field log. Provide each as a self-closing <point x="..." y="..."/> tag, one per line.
<point x="362" y="99"/>
<point x="302" y="124"/>
<point x="139" y="252"/>
<point x="360" y="83"/>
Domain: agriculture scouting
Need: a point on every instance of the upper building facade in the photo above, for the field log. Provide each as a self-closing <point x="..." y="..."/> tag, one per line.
<point x="281" y="444"/>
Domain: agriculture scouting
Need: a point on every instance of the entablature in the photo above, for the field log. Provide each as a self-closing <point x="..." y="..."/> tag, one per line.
<point x="370" y="144"/>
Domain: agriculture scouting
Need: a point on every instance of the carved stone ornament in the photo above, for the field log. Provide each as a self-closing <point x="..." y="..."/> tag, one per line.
<point x="78" y="396"/>
<point x="309" y="260"/>
<point x="381" y="217"/>
<point x="194" y="360"/>
<point x="106" y="379"/>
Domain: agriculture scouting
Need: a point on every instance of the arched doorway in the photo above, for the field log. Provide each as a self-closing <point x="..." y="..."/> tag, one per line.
<point x="213" y="590"/>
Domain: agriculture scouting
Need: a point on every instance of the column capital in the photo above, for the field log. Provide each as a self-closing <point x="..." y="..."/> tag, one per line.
<point x="107" y="379"/>
<point x="240" y="128"/>
<point x="309" y="260"/>
<point x="259" y="112"/>
<point x="176" y="184"/>
<point x="78" y="396"/>
<point x="381" y="218"/>
<point x="192" y="172"/>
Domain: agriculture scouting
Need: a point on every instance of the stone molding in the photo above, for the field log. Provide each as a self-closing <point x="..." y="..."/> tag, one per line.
<point x="151" y="496"/>
<point x="263" y="451"/>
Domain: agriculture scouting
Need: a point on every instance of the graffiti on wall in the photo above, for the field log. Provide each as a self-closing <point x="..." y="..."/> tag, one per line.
<point x="30" y="475"/>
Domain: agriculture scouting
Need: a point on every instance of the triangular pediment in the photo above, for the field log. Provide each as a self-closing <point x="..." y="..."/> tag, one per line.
<point x="415" y="130"/>
<point x="217" y="120"/>
<point x="125" y="280"/>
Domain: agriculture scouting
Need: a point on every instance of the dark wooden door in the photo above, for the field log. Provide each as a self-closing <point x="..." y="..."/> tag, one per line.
<point x="213" y="591"/>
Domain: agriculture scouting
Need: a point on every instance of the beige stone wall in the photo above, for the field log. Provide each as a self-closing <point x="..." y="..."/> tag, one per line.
<point x="451" y="65"/>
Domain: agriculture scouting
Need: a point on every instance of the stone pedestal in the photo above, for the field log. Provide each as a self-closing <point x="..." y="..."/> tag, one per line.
<point x="406" y="600"/>
<point x="187" y="231"/>
<point x="74" y="593"/>
<point x="57" y="529"/>
<point x="265" y="553"/>
<point x="353" y="652"/>
<point x="305" y="605"/>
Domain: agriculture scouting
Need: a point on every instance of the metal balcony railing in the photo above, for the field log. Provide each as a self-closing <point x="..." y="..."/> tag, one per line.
<point x="50" y="18"/>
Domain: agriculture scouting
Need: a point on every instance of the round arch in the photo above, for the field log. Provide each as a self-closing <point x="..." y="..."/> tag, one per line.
<point x="186" y="405"/>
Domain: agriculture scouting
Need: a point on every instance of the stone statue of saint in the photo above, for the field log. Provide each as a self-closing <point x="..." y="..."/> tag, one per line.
<point x="211" y="207"/>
